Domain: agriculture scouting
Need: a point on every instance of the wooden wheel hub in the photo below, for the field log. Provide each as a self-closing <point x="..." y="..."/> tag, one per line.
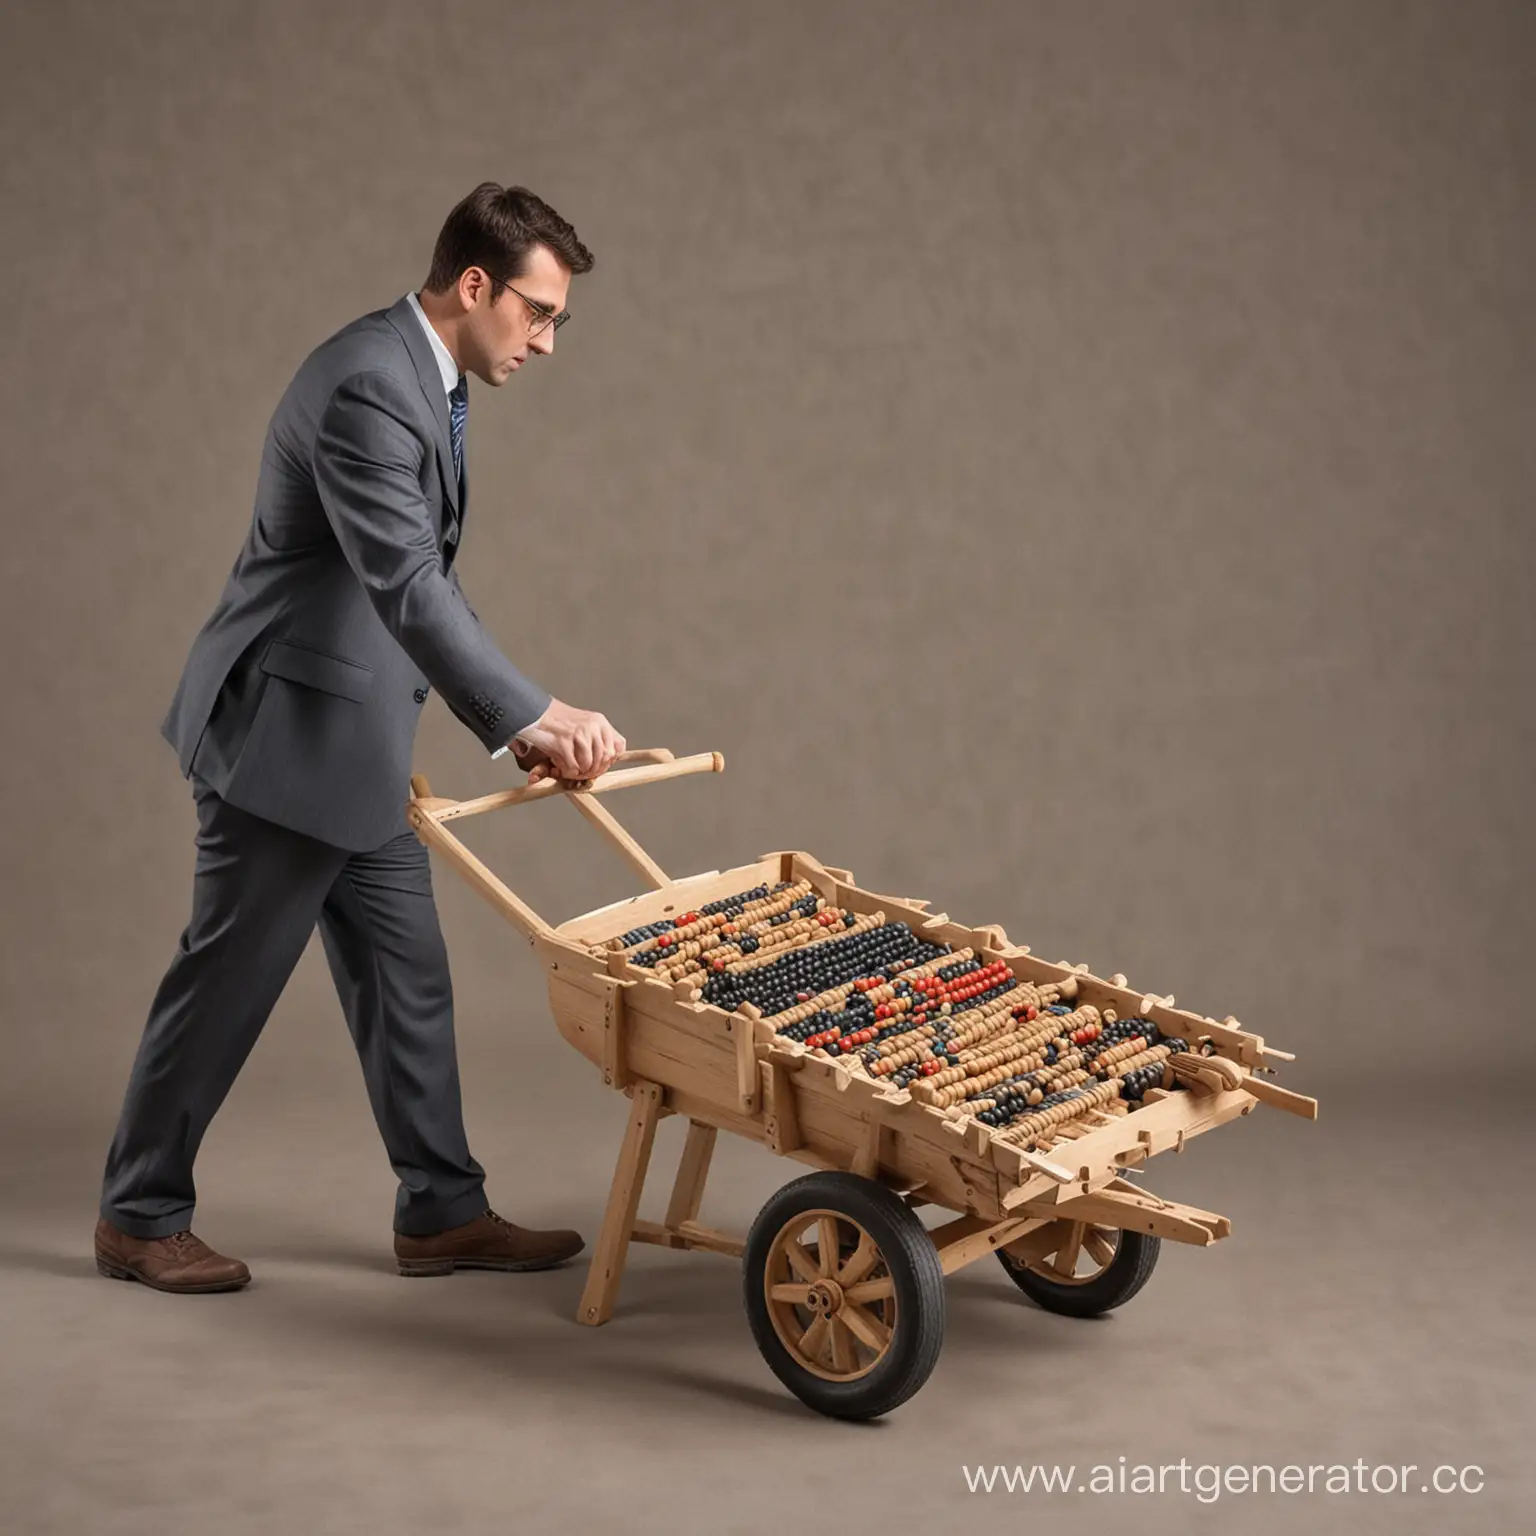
<point x="825" y="1298"/>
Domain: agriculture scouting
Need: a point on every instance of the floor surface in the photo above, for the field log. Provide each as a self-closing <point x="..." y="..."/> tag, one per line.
<point x="1373" y="1304"/>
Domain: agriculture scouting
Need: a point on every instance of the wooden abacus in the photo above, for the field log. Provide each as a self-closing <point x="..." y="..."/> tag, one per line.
<point x="964" y="1074"/>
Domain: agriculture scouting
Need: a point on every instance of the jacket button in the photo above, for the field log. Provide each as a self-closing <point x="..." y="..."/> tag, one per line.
<point x="421" y="695"/>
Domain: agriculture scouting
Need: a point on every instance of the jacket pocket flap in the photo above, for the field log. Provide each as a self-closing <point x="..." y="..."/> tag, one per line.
<point x="315" y="669"/>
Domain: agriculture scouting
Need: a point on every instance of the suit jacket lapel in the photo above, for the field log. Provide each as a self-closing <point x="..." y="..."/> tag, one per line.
<point x="399" y="315"/>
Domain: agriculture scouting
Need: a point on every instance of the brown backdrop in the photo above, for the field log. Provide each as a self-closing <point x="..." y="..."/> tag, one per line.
<point x="1075" y="462"/>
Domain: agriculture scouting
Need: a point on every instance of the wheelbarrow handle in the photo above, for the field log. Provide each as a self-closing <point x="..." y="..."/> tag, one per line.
<point x="427" y="812"/>
<point x="645" y="755"/>
<point x="634" y="755"/>
<point x="646" y="765"/>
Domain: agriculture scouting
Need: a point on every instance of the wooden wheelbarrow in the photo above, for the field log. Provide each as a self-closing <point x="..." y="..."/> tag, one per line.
<point x="842" y="1283"/>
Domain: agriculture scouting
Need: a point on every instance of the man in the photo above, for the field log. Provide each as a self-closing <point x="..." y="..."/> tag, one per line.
<point x="294" y="719"/>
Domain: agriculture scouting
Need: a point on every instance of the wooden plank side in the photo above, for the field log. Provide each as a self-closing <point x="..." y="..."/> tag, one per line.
<point x="1132" y="1138"/>
<point x="677" y="1057"/>
<point x="578" y="1015"/>
<point x="651" y="906"/>
<point x="573" y="965"/>
<point x="721" y="1113"/>
<point x="837" y="1125"/>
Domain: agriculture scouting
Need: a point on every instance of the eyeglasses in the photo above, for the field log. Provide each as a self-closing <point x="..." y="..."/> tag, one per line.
<point x="544" y="317"/>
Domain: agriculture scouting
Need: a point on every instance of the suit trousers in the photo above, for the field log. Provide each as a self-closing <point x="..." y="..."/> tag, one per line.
<point x="258" y="891"/>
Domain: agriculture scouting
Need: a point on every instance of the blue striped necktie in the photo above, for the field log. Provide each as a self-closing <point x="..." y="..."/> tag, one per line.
<point x="458" y="414"/>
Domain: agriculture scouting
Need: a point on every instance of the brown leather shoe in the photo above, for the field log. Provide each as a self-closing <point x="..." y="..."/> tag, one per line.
<point x="487" y="1242"/>
<point x="180" y="1262"/>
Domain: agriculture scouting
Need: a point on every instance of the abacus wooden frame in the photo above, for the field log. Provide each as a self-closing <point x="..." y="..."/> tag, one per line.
<point x="731" y="1071"/>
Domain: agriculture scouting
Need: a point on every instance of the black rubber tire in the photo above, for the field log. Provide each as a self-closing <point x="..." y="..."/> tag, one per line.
<point x="913" y="1262"/>
<point x="1124" y="1275"/>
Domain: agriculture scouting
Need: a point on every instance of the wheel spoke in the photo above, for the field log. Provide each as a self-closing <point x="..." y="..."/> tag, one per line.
<point x="826" y="1244"/>
<point x="865" y="1325"/>
<point x="845" y="1358"/>
<point x="870" y="1290"/>
<point x="1065" y="1262"/>
<point x="814" y="1339"/>
<point x="1100" y="1245"/>
<point x="800" y="1259"/>
<point x="794" y="1292"/>
<point x="860" y="1261"/>
<point x="1036" y="1246"/>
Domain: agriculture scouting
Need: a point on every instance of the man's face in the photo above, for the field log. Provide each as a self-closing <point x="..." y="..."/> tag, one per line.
<point x="496" y="336"/>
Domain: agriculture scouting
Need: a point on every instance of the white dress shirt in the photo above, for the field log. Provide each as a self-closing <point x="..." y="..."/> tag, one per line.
<point x="445" y="363"/>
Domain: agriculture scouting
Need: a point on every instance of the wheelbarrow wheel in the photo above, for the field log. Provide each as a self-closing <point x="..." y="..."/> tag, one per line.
<point x="1079" y="1269"/>
<point x="845" y="1294"/>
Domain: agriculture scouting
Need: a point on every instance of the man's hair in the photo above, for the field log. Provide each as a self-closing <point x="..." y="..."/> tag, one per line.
<point x="494" y="228"/>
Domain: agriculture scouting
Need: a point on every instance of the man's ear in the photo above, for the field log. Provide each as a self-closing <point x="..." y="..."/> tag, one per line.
<point x="472" y="282"/>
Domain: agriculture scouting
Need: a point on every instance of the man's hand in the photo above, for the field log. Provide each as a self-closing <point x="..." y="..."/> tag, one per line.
<point x="567" y="743"/>
<point x="537" y="763"/>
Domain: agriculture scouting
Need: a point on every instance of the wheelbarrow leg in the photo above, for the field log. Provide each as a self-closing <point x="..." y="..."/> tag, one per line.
<point x="692" y="1170"/>
<point x="607" y="1267"/>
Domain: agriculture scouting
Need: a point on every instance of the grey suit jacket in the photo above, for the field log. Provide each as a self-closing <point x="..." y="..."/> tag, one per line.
<point x="300" y="698"/>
